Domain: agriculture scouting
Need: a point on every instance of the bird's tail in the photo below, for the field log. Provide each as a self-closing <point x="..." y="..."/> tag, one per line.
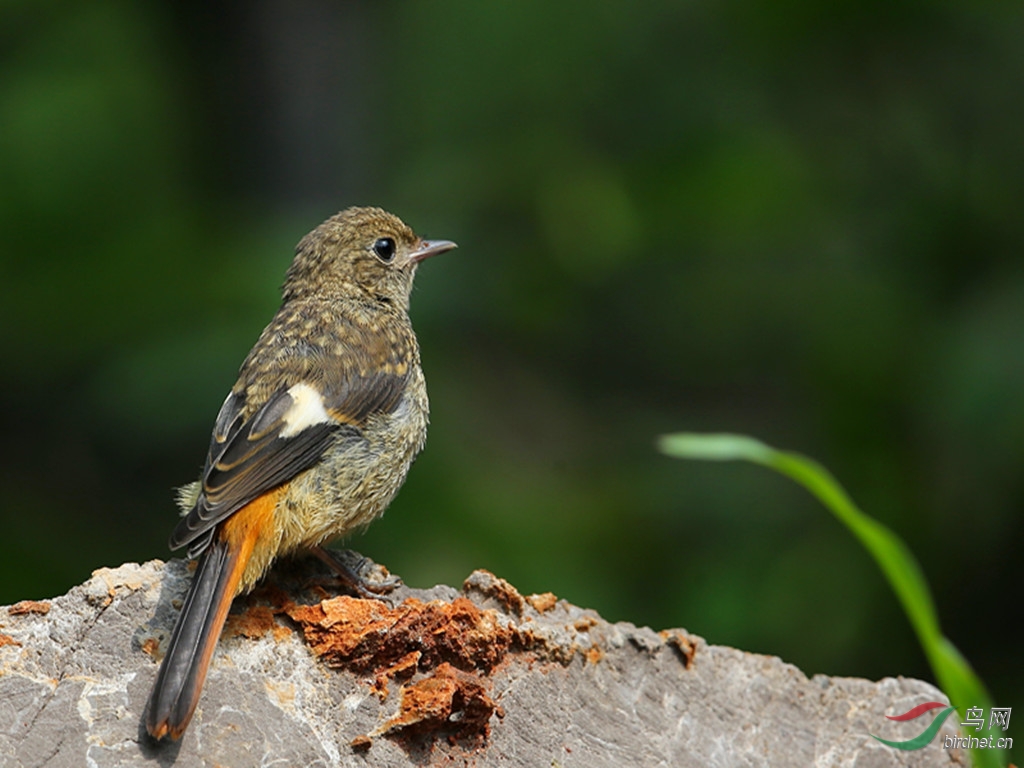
<point x="222" y="570"/>
<point x="181" y="676"/>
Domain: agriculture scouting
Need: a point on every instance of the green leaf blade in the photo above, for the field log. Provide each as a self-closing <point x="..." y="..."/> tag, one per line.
<point x="901" y="569"/>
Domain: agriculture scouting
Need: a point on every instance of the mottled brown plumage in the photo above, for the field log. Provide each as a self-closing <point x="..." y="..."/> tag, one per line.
<point x="314" y="439"/>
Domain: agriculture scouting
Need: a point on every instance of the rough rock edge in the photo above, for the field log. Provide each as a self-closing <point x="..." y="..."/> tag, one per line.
<point x="482" y="676"/>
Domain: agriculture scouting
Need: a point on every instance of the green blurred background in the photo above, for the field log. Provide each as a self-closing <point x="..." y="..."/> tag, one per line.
<point x="797" y="220"/>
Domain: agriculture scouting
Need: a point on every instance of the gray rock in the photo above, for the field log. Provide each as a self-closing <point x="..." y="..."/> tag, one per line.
<point x="485" y="676"/>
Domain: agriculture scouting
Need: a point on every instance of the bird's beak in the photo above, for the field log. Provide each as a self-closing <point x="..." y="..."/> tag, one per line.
<point x="428" y="248"/>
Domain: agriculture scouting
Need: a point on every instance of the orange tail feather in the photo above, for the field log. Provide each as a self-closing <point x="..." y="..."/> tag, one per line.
<point x="221" y="567"/>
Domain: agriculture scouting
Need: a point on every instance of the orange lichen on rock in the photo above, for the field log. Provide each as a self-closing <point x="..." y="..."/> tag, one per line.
<point x="151" y="646"/>
<point x="496" y="588"/>
<point x="344" y="630"/>
<point x="402" y="669"/>
<point x="361" y="743"/>
<point x="369" y="635"/>
<point x="8" y="640"/>
<point x="682" y="643"/>
<point x="254" y="622"/>
<point x="449" y="699"/>
<point x="584" y="624"/>
<point x="29" y="606"/>
<point x="543" y="602"/>
<point x="442" y="643"/>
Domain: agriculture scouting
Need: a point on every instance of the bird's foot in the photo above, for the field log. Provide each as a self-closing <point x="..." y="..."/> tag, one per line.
<point x="358" y="574"/>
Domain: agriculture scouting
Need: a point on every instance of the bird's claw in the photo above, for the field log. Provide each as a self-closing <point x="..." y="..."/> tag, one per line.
<point x="355" y="572"/>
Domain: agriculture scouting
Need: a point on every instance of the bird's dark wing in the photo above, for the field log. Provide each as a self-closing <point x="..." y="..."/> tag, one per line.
<point x="285" y="436"/>
<point x="247" y="459"/>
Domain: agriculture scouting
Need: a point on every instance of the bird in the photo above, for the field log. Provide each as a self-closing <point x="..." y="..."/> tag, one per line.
<point x="314" y="439"/>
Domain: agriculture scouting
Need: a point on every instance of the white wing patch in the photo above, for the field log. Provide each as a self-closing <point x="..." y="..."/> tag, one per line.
<point x="307" y="409"/>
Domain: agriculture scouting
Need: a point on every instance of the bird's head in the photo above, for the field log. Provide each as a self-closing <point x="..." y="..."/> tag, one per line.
<point x="364" y="253"/>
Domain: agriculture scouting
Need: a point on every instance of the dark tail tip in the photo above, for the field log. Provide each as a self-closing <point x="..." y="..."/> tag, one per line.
<point x="183" y="670"/>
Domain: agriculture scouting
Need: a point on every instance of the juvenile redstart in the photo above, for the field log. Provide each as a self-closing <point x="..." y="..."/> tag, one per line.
<point x="313" y="441"/>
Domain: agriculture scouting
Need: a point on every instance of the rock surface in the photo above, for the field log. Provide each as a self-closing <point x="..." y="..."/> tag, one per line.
<point x="305" y="676"/>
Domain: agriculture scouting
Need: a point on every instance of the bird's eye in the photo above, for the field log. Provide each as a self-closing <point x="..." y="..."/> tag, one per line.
<point x="384" y="248"/>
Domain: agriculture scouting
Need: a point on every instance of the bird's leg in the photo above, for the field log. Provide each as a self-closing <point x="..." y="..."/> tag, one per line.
<point x="350" y="568"/>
